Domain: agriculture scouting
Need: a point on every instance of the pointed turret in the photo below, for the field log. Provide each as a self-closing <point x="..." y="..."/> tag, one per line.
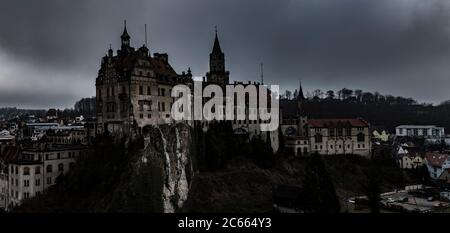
<point x="125" y="37"/>
<point x="217" y="73"/>
<point x="300" y="93"/>
<point x="216" y="47"/>
<point x="300" y="101"/>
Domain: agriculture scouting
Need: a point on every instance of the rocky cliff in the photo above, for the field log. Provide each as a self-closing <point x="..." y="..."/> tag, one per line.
<point x="168" y="147"/>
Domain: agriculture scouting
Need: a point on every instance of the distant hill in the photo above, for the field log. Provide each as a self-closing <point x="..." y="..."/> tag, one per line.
<point x="388" y="115"/>
<point x="11" y="112"/>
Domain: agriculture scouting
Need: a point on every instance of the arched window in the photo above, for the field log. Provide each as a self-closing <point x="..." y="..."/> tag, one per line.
<point x="37" y="170"/>
<point x="361" y="137"/>
<point x="60" y="167"/>
<point x="26" y="171"/>
<point x="318" y="138"/>
<point x="49" y="168"/>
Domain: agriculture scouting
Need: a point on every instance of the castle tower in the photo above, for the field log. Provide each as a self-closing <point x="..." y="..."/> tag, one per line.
<point x="302" y="118"/>
<point x="217" y="73"/>
<point x="300" y="100"/>
<point x="125" y="38"/>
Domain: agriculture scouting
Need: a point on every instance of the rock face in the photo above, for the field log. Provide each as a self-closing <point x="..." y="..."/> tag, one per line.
<point x="168" y="147"/>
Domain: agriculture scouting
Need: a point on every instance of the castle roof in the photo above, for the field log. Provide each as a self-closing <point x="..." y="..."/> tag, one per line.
<point x="325" y="123"/>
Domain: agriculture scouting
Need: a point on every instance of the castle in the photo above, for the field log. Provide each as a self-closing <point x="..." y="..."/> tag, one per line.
<point x="133" y="89"/>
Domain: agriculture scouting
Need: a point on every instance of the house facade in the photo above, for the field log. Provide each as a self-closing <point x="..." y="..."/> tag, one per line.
<point x="36" y="169"/>
<point x="339" y="136"/>
<point x="423" y="131"/>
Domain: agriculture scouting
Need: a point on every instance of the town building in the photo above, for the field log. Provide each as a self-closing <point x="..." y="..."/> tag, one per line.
<point x="71" y="136"/>
<point x="339" y="136"/>
<point x="6" y="137"/>
<point x="35" y="169"/>
<point x="409" y="160"/>
<point x="436" y="163"/>
<point x="4" y="187"/>
<point x="422" y="131"/>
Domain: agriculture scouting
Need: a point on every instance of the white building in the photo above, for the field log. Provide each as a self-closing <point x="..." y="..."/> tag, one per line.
<point x="3" y="189"/>
<point x="36" y="169"/>
<point x="339" y="136"/>
<point x="425" y="131"/>
<point x="6" y="137"/>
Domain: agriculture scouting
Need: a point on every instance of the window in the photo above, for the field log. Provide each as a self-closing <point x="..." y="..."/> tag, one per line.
<point x="318" y="138"/>
<point x="361" y="137"/>
<point x="141" y="90"/>
<point x="348" y="132"/>
<point x="26" y="171"/>
<point x="163" y="92"/>
<point x="163" y="106"/>
<point x="49" y="180"/>
<point x="60" y="167"/>
<point x="59" y="156"/>
<point x="49" y="168"/>
<point x="149" y="90"/>
<point x="339" y="132"/>
<point x="26" y="183"/>
<point x="331" y="132"/>
<point x="37" y="182"/>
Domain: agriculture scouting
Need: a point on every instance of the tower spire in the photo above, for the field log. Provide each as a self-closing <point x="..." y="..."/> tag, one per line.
<point x="300" y="93"/>
<point x="216" y="47"/>
<point x="125" y="37"/>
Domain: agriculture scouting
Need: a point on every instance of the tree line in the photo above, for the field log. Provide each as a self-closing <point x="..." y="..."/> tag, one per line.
<point x="346" y="94"/>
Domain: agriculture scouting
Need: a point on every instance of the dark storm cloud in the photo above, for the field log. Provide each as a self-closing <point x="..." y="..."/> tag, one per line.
<point x="52" y="48"/>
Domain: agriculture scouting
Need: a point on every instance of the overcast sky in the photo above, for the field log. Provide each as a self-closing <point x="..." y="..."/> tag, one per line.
<point x="50" y="50"/>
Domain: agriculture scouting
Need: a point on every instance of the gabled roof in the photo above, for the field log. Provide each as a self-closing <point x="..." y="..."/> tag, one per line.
<point x="402" y="151"/>
<point x="325" y="123"/>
